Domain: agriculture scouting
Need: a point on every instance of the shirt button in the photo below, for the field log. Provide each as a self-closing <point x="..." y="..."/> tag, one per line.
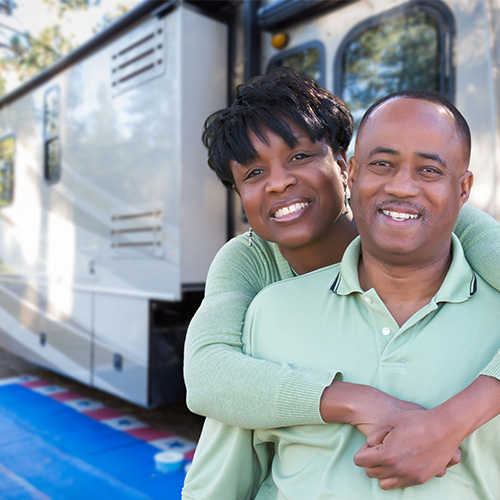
<point x="367" y="300"/>
<point x="386" y="331"/>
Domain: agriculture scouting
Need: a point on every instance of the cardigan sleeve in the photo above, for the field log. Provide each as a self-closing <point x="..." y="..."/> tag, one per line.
<point x="227" y="385"/>
<point x="480" y="237"/>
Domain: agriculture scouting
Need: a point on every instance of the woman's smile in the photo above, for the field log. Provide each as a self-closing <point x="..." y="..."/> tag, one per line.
<point x="290" y="212"/>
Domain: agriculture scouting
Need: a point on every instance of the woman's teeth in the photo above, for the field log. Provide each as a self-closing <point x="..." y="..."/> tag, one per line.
<point x="289" y="210"/>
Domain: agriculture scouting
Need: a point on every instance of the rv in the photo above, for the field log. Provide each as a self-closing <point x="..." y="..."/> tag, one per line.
<point x="109" y="216"/>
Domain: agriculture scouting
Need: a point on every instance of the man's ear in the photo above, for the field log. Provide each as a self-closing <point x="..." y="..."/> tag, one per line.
<point x="351" y="172"/>
<point x="466" y="182"/>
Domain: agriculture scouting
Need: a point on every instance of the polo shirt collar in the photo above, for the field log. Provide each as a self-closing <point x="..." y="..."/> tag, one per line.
<point x="459" y="284"/>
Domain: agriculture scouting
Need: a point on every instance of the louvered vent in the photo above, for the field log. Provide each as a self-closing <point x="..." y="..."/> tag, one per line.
<point x="141" y="59"/>
<point x="138" y="233"/>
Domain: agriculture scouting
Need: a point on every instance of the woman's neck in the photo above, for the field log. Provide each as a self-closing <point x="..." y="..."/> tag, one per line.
<point x="326" y="251"/>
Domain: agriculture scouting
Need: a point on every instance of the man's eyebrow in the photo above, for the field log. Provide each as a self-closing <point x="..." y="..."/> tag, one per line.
<point x="432" y="156"/>
<point x="394" y="152"/>
<point x="382" y="149"/>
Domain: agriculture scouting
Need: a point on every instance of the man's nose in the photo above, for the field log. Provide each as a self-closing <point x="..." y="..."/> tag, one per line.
<point x="403" y="183"/>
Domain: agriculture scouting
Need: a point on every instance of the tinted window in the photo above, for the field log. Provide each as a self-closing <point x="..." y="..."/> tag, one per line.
<point x="401" y="51"/>
<point x="306" y="59"/>
<point x="7" y="146"/>
<point x="51" y="126"/>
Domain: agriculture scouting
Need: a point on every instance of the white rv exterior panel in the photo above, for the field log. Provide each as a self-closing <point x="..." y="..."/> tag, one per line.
<point x="136" y="214"/>
<point x="203" y="63"/>
<point x="121" y="349"/>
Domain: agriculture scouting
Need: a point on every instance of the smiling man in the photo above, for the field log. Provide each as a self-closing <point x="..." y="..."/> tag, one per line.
<point x="400" y="312"/>
<point x="409" y="178"/>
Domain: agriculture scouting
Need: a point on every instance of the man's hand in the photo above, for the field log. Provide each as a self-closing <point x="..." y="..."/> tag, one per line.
<point x="409" y="448"/>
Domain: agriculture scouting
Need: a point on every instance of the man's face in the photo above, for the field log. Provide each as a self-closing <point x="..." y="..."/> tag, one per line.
<point x="408" y="180"/>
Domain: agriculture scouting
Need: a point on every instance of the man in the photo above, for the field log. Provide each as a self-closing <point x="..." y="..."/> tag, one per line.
<point x="399" y="313"/>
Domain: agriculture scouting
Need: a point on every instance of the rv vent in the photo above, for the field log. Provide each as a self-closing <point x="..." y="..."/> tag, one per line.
<point x="138" y="233"/>
<point x="140" y="59"/>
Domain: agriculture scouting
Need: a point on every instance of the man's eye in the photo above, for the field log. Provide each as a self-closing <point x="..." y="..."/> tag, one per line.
<point x="380" y="163"/>
<point x="431" y="171"/>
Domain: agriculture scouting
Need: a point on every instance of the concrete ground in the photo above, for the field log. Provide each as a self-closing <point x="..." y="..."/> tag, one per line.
<point x="174" y="417"/>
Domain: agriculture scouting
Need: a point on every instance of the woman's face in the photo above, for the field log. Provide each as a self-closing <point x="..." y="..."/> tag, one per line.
<point x="291" y="196"/>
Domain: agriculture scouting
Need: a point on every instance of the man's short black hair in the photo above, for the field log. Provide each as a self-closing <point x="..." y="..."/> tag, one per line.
<point x="268" y="101"/>
<point x="424" y="95"/>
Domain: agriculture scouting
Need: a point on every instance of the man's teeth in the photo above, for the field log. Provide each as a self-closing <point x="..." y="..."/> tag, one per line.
<point x="289" y="210"/>
<point x="399" y="215"/>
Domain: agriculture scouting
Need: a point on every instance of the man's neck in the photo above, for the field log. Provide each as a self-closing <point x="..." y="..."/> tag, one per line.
<point x="404" y="288"/>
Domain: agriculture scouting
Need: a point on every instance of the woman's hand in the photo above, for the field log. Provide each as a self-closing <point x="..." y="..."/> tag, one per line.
<point x="360" y="405"/>
<point x="409" y="448"/>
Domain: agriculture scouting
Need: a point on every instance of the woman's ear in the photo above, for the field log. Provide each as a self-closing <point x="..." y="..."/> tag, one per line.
<point x="341" y="159"/>
<point x="351" y="172"/>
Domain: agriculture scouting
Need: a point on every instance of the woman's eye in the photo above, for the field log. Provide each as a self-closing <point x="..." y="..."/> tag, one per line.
<point x="300" y="156"/>
<point x="252" y="173"/>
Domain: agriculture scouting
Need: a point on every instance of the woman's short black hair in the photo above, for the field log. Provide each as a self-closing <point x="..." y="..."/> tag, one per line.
<point x="268" y="101"/>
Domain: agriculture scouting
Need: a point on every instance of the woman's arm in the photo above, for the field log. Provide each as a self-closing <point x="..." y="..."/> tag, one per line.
<point x="479" y="235"/>
<point x="223" y="383"/>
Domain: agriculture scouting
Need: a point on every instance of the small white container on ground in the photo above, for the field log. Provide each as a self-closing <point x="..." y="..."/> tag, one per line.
<point x="169" y="461"/>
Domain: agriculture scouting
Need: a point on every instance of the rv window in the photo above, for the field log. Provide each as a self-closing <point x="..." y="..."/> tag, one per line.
<point x="51" y="125"/>
<point x="306" y="59"/>
<point x="405" y="49"/>
<point x="6" y="170"/>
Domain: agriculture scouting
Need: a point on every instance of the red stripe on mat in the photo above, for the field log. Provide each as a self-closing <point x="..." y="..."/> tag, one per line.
<point x="103" y="413"/>
<point x="148" y="434"/>
<point x="65" y="396"/>
<point x="35" y="383"/>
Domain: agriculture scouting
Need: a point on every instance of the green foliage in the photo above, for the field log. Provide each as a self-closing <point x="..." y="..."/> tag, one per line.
<point x="26" y="55"/>
<point x="400" y="53"/>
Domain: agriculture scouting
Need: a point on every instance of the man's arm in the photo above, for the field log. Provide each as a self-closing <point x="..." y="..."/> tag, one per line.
<point x="410" y="448"/>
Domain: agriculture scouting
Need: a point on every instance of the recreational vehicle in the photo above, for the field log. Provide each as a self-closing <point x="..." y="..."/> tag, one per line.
<point x="109" y="216"/>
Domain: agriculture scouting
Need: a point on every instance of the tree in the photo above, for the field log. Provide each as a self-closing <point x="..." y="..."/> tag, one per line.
<point x="25" y="55"/>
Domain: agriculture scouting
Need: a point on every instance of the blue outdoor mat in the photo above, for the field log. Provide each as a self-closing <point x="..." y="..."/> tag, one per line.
<point x="55" y="444"/>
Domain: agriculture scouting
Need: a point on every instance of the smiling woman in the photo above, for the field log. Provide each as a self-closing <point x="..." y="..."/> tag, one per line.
<point x="295" y="196"/>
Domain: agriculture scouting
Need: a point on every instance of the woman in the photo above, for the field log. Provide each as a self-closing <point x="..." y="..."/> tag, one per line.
<point x="281" y="146"/>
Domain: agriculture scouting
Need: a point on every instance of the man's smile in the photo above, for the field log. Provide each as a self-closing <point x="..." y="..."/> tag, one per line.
<point x="399" y="216"/>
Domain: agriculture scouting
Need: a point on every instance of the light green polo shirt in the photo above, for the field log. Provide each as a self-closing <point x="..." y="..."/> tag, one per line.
<point x="324" y="318"/>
